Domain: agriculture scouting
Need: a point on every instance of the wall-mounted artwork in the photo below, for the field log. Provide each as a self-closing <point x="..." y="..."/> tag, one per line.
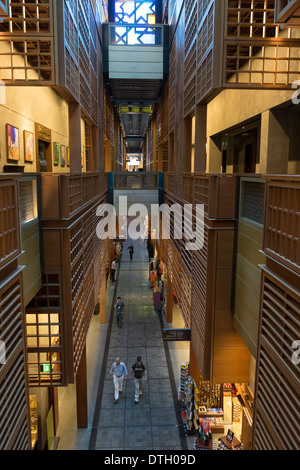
<point x="82" y="156"/>
<point x="56" y="153"/>
<point x="13" y="143"/>
<point x="63" y="155"/>
<point x="28" y="147"/>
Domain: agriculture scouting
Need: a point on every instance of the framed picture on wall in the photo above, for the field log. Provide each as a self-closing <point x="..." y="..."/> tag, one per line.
<point x="63" y="155"/>
<point x="13" y="143"/>
<point x="28" y="147"/>
<point x="56" y="153"/>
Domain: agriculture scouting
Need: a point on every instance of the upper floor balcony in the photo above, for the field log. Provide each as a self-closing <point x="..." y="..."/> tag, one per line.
<point x="135" y="51"/>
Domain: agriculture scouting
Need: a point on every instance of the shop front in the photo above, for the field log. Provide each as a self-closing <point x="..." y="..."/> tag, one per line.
<point x="216" y="416"/>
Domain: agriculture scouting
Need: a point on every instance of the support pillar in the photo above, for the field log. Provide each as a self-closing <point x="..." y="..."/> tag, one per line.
<point x="81" y="393"/>
<point x="169" y="314"/>
<point x="102" y="301"/>
<point x="95" y="163"/>
<point x="75" y="137"/>
<point x="275" y="143"/>
<point x="200" y="138"/>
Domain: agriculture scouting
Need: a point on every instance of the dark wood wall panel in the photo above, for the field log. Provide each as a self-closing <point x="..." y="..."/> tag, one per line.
<point x="277" y="409"/>
<point x="10" y="245"/>
<point x="14" y="408"/>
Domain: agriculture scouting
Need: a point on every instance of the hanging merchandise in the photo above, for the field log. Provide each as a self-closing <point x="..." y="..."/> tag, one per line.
<point x="188" y="406"/>
<point x="184" y="373"/>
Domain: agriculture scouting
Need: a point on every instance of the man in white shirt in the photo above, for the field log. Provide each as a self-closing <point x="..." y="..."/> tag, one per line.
<point x="118" y="372"/>
<point x="113" y="270"/>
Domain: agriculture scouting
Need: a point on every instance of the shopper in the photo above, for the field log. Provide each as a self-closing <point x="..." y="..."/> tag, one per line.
<point x="113" y="269"/>
<point x="118" y="373"/>
<point x="160" y="270"/>
<point x="150" y="250"/>
<point x="157" y="300"/>
<point x="131" y="251"/>
<point x="152" y="279"/>
<point x="119" y="306"/>
<point x="139" y="373"/>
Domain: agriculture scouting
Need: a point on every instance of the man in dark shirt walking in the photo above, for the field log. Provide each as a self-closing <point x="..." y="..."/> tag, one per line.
<point x="119" y="306"/>
<point x="139" y="372"/>
<point x="131" y="251"/>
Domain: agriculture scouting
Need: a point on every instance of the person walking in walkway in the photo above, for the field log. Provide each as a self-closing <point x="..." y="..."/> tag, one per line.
<point x="152" y="279"/>
<point x="131" y="251"/>
<point x="157" y="300"/>
<point x="119" y="306"/>
<point x="113" y="269"/>
<point x="118" y="372"/>
<point x="139" y="373"/>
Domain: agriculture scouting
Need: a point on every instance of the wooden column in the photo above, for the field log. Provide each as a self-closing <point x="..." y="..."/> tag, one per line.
<point x="102" y="301"/>
<point x="169" y="316"/>
<point x="81" y="393"/>
<point x="75" y="137"/>
<point x="160" y="158"/>
<point x="200" y="139"/>
<point x="95" y="163"/>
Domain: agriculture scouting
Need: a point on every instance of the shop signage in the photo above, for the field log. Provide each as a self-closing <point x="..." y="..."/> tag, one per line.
<point x="43" y="133"/>
<point x="46" y="368"/>
<point x="183" y="334"/>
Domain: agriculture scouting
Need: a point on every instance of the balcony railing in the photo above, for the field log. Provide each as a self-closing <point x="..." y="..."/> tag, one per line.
<point x="65" y="194"/>
<point x="135" y="34"/>
<point x="135" y="51"/>
<point x="216" y="192"/>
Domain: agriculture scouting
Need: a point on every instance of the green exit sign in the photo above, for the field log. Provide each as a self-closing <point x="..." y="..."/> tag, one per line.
<point x="46" y="368"/>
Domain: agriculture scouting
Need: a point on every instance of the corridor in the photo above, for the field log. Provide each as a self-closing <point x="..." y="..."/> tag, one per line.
<point x="152" y="424"/>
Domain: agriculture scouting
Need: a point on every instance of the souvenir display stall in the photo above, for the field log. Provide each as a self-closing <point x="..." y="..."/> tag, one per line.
<point x="218" y="415"/>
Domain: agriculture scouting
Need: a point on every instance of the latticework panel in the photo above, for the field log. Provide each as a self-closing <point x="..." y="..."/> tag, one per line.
<point x="202" y="192"/>
<point x="172" y="86"/>
<point x="82" y="47"/>
<point x="14" y="420"/>
<point x="9" y="223"/>
<point x="282" y="228"/>
<point x="277" y="396"/>
<point x="205" y="45"/>
<point x="190" y="54"/>
<point x="11" y="316"/>
<point x="253" y="201"/>
<point x="44" y="334"/>
<point x="76" y="253"/>
<point x="257" y="52"/>
<point x="27" y="43"/>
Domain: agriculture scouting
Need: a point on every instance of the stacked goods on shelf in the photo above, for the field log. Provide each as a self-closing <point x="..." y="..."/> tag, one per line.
<point x="236" y="410"/>
<point x="204" y="439"/>
<point x="210" y="394"/>
<point x="189" y="404"/>
<point x="184" y="374"/>
<point x="214" y="417"/>
<point x="229" y="442"/>
<point x="188" y="409"/>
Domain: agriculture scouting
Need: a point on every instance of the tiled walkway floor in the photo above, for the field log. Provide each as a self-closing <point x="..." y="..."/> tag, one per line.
<point x="152" y="423"/>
